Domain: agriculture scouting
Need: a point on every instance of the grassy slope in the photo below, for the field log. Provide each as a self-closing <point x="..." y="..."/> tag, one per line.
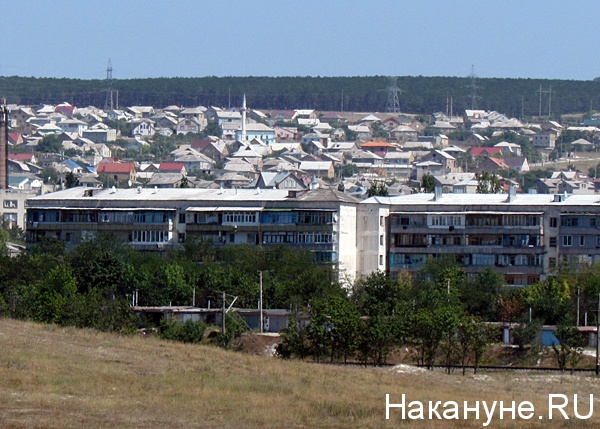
<point x="66" y="378"/>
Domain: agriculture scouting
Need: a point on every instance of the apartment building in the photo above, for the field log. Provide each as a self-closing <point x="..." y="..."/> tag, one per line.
<point x="321" y="221"/>
<point x="521" y="236"/>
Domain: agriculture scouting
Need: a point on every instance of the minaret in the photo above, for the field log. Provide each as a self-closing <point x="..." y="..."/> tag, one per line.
<point x="244" y="119"/>
<point x="3" y="146"/>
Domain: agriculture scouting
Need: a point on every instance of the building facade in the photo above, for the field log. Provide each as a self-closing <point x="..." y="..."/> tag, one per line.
<point x="320" y="221"/>
<point x="523" y="237"/>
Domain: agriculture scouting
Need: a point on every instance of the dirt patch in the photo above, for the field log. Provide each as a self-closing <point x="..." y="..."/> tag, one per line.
<point x="258" y="344"/>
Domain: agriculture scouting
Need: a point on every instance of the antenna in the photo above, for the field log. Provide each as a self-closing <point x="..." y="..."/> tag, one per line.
<point x="109" y="91"/>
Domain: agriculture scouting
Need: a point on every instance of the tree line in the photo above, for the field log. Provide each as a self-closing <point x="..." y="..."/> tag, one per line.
<point x="421" y="95"/>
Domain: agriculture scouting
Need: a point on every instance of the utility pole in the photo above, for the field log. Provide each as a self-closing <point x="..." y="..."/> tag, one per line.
<point x="260" y="301"/>
<point x="578" y="292"/>
<point x="223" y="313"/>
<point x="598" y="338"/>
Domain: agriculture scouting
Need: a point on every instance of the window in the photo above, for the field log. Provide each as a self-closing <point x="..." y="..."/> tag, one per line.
<point x="381" y="240"/>
<point x="552" y="262"/>
<point x="181" y="217"/>
<point x="567" y="240"/>
<point x="552" y="241"/>
<point x="582" y="240"/>
<point x="569" y="221"/>
<point x="380" y="220"/>
<point x="553" y="222"/>
<point x="380" y="259"/>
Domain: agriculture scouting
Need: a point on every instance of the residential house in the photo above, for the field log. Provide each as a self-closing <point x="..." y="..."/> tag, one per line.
<point x="139" y="112"/>
<point x="189" y="125"/>
<point x="428" y="167"/>
<point x="167" y="180"/>
<point x="545" y="140"/>
<point x="197" y="113"/>
<point x="448" y="161"/>
<point x="284" y="115"/>
<point x="196" y="161"/>
<point x="19" y="116"/>
<point x="286" y="133"/>
<point x="404" y="133"/>
<point x="65" y="109"/>
<point x="74" y="126"/>
<point x="211" y="146"/>
<point x="118" y="171"/>
<point x="143" y="127"/>
<point x="224" y="117"/>
<point x="15" y="139"/>
<point x="318" y="168"/>
<point x="172" y="167"/>
<point x="100" y="133"/>
<point x="509" y="149"/>
<point x="517" y="163"/>
<point x="477" y="152"/>
<point x="366" y="160"/>
<point x="279" y="180"/>
<point x="257" y="131"/>
<point x="362" y="131"/>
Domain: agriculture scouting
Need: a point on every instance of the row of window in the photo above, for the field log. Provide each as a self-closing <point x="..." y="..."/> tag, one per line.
<point x="298" y="237"/>
<point x="150" y="236"/>
<point x="423" y="240"/>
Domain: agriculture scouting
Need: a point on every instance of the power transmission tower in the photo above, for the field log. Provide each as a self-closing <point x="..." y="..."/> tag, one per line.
<point x="108" y="104"/>
<point x="549" y="93"/>
<point x="393" y="99"/>
<point x="473" y="88"/>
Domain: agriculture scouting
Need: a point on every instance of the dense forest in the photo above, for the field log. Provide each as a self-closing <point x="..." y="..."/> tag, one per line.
<point x="423" y="95"/>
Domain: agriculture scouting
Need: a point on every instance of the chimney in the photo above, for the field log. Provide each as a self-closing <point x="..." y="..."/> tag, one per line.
<point x="3" y="146"/>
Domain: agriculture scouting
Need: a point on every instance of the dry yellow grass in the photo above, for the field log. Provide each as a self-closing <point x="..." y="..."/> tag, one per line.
<point x="66" y="378"/>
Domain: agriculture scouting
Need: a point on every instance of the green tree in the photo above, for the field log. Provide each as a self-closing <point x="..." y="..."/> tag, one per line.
<point x="349" y="170"/>
<point x="55" y="295"/>
<point x="488" y="183"/>
<point x="189" y="331"/>
<point x="570" y="347"/>
<point x="341" y="320"/>
<point x="295" y="341"/>
<point x="50" y="143"/>
<point x="549" y="300"/>
<point x="378" y="189"/>
<point x="50" y="176"/>
<point x="71" y="180"/>
<point x="479" y="294"/>
<point x="428" y="183"/>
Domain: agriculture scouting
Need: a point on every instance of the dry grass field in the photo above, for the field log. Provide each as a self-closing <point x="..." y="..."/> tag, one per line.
<point x="53" y="377"/>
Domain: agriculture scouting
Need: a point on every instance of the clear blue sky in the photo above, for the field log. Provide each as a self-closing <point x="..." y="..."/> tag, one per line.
<point x="192" y="38"/>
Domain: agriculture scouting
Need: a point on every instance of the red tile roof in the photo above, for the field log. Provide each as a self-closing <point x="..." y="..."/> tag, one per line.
<point x="115" y="167"/>
<point x="478" y="151"/>
<point x="171" y="166"/>
<point x="20" y="156"/>
<point x="378" y="144"/>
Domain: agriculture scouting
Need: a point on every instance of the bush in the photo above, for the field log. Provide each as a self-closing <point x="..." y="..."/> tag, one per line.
<point x="187" y="332"/>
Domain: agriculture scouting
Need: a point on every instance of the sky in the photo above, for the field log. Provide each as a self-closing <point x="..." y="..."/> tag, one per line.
<point x="547" y="39"/>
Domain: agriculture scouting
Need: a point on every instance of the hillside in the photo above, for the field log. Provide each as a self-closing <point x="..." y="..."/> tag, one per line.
<point x="66" y="378"/>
